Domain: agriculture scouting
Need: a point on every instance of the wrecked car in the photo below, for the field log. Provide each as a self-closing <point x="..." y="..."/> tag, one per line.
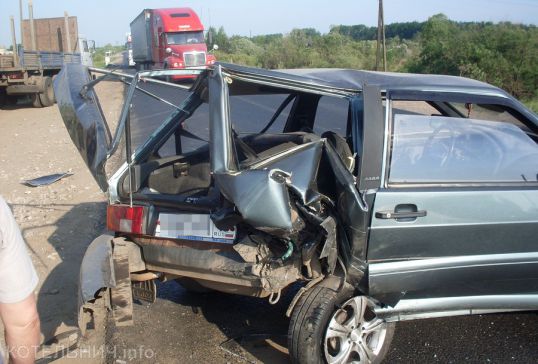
<point x="385" y="196"/>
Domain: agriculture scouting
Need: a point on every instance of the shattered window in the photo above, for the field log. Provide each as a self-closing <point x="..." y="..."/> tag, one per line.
<point x="251" y="113"/>
<point x="331" y="115"/>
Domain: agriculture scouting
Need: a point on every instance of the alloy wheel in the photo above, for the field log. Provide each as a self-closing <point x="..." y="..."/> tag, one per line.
<point x="354" y="334"/>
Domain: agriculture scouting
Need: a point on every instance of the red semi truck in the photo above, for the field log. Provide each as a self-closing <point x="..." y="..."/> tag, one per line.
<point x="169" y="39"/>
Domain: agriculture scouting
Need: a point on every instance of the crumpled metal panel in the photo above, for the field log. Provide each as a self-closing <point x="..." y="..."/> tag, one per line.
<point x="96" y="270"/>
<point x="261" y="196"/>
<point x="83" y="119"/>
<point x="303" y="166"/>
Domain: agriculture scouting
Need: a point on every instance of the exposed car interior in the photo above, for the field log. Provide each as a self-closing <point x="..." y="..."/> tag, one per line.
<point x="282" y="121"/>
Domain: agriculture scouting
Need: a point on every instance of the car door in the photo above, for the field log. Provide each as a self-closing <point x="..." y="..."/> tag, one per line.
<point x="457" y="214"/>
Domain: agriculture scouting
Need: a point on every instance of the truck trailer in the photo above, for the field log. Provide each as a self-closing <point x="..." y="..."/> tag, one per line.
<point x="169" y="39"/>
<point x="47" y="44"/>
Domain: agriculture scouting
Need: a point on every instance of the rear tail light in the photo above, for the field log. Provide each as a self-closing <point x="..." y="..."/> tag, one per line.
<point x="16" y="76"/>
<point x="126" y="219"/>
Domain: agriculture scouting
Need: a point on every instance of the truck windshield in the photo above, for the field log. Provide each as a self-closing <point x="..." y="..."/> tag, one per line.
<point x="184" y="38"/>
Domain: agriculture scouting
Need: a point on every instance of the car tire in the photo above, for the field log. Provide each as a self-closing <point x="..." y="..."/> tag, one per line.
<point x="47" y="96"/>
<point x="312" y="339"/>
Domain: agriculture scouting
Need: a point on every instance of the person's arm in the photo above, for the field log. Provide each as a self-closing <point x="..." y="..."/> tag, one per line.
<point x="21" y="323"/>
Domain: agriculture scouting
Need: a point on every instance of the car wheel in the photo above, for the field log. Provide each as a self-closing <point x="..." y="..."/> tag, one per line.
<point x="47" y="96"/>
<point x="329" y="326"/>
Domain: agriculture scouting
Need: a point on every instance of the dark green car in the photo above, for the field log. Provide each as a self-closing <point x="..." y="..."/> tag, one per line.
<point x="384" y="196"/>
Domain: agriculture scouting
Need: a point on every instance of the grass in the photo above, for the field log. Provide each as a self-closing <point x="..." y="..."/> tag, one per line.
<point x="532" y="104"/>
<point x="99" y="54"/>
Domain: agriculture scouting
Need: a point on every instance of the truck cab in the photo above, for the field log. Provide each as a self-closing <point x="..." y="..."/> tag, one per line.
<point x="170" y="39"/>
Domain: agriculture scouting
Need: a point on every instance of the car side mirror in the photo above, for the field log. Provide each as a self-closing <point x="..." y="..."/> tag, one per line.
<point x="215" y="47"/>
<point x="168" y="50"/>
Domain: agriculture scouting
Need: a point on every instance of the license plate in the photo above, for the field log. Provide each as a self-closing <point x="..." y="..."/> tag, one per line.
<point x="144" y="291"/>
<point x="192" y="227"/>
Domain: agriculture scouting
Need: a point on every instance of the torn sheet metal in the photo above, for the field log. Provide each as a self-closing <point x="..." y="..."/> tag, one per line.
<point x="46" y="180"/>
<point x="329" y="250"/>
<point x="303" y="166"/>
<point x="261" y="196"/>
<point x="96" y="270"/>
<point x="121" y="296"/>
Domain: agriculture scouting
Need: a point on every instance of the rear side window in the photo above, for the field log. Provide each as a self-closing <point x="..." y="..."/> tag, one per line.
<point x="436" y="149"/>
<point x="331" y="115"/>
<point x="196" y="133"/>
<point x="251" y="113"/>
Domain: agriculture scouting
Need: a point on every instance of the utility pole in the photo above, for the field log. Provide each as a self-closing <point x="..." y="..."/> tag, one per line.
<point x="32" y="28"/>
<point x="20" y="20"/>
<point x="380" y="40"/>
<point x="68" y="33"/>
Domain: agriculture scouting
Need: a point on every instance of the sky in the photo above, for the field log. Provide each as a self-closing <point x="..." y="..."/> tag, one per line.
<point x="108" y="21"/>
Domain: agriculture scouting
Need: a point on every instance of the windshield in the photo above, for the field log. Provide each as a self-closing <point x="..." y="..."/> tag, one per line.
<point x="184" y="38"/>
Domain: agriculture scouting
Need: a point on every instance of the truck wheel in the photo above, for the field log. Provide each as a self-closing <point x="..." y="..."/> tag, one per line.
<point x="36" y="101"/>
<point x="329" y="326"/>
<point x="47" y="96"/>
<point x="11" y="100"/>
<point x="7" y="100"/>
<point x="52" y="87"/>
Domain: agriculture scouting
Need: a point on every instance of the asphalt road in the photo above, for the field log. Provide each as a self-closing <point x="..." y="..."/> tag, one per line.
<point x="184" y="327"/>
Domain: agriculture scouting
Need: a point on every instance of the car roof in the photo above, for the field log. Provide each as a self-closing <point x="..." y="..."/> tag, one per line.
<point x="354" y="80"/>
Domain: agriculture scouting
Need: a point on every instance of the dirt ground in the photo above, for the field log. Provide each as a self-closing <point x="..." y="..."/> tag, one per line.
<point x="57" y="221"/>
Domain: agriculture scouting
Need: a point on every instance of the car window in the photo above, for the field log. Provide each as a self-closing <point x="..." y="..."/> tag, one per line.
<point x="436" y="149"/>
<point x="331" y="115"/>
<point x="251" y="113"/>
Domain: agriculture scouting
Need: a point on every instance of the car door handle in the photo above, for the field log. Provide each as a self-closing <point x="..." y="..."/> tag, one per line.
<point x="400" y="215"/>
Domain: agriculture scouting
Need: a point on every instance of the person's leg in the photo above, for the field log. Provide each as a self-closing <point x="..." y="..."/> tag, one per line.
<point x="21" y="323"/>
